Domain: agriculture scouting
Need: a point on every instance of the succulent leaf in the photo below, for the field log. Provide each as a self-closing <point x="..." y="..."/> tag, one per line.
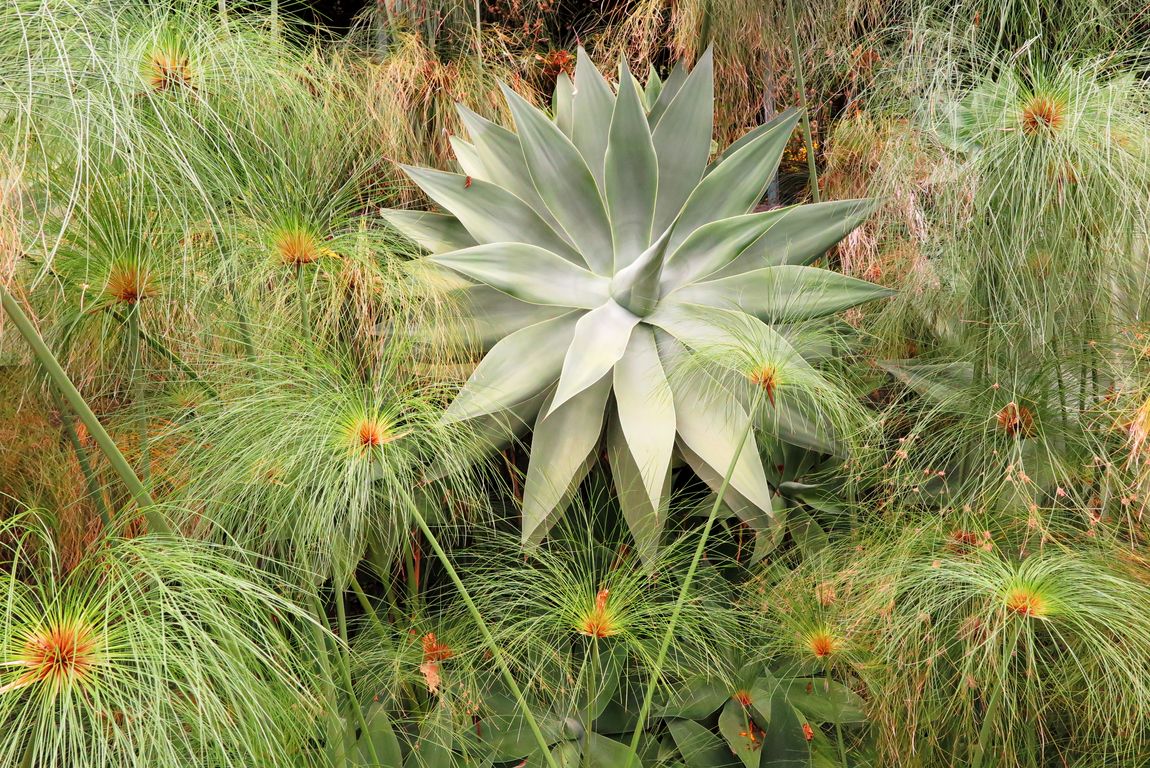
<point x="605" y="257"/>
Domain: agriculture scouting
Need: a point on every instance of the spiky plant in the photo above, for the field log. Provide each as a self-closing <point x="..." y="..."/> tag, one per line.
<point x="301" y="454"/>
<point x="984" y="657"/>
<point x="602" y="246"/>
<point x="154" y="651"/>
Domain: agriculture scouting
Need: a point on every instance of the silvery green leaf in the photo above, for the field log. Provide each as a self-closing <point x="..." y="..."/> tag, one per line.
<point x="736" y="185"/>
<point x="712" y="422"/>
<point x="564" y="437"/>
<point x="529" y="274"/>
<point x="781" y="294"/>
<point x="490" y="213"/>
<point x="682" y="140"/>
<point x="591" y="114"/>
<point x="516" y="369"/>
<point x="436" y="232"/>
<point x="802" y="234"/>
<point x="562" y="103"/>
<point x="468" y="159"/>
<point x="492" y="314"/>
<point x="751" y="135"/>
<point x="750" y="513"/>
<point x="601" y="336"/>
<point x="636" y="286"/>
<point x="653" y="88"/>
<point x="712" y="246"/>
<point x="631" y="175"/>
<point x="645" y="516"/>
<point x="724" y="336"/>
<point x="646" y="412"/>
<point x="502" y="162"/>
<point x="564" y="181"/>
<point x="667" y="93"/>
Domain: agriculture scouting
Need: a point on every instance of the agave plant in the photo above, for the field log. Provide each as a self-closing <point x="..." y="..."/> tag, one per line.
<point x="602" y="244"/>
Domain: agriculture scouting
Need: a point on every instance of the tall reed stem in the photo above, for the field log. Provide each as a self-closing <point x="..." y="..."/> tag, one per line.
<point x="157" y="523"/>
<point x="668" y="634"/>
<point x="138" y="382"/>
<point x="800" y="83"/>
<point x="488" y="639"/>
<point x="85" y="462"/>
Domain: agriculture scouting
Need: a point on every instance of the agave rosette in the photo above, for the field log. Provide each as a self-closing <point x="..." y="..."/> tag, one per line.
<point x="598" y="248"/>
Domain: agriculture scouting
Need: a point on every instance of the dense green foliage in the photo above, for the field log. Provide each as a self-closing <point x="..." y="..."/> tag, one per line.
<point x="422" y="397"/>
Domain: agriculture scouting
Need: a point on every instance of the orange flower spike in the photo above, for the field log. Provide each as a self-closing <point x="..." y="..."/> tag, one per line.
<point x="599" y="621"/>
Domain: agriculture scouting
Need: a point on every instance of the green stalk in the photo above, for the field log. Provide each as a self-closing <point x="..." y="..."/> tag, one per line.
<point x="162" y="349"/>
<point x="800" y="83"/>
<point x="335" y="734"/>
<point x="156" y="521"/>
<point x="592" y="682"/>
<point x="345" y="662"/>
<point x="366" y="604"/>
<point x="488" y="639"/>
<point x="138" y="404"/>
<point x="301" y="288"/>
<point x="82" y="457"/>
<point x="665" y="645"/>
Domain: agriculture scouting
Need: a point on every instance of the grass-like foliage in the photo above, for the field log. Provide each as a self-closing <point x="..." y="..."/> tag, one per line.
<point x="154" y="651"/>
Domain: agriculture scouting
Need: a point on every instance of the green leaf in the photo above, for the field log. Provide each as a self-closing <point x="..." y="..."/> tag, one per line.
<point x="783" y="117"/>
<point x="712" y="246"/>
<point x="631" y="175"/>
<point x="490" y="213"/>
<point x="601" y="338"/>
<point x="735" y="723"/>
<point x="711" y="422"/>
<point x="736" y="186"/>
<point x="592" y="107"/>
<point x="682" y="140"/>
<point x="786" y="744"/>
<point x="727" y="337"/>
<point x="529" y="273"/>
<point x="802" y="234"/>
<point x="491" y="315"/>
<point x="564" y="181"/>
<point x="646" y="411"/>
<point x="433" y="747"/>
<point x="653" y="88"/>
<point x="781" y="294"/>
<point x="699" y="747"/>
<point x="516" y="369"/>
<point x="644" y="518"/>
<point x="562" y="103"/>
<point x="697" y="698"/>
<point x="382" y="740"/>
<point x="503" y="163"/>
<point x="826" y="701"/>
<point x="564" y="437"/>
<point x="807" y="533"/>
<point x="668" y="92"/>
<point x="436" y="232"/>
<point x="504" y="729"/>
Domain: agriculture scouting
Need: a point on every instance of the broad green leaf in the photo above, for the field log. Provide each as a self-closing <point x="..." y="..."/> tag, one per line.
<point x="608" y="753"/>
<point x="786" y="743"/>
<point x="699" y="747"/>
<point x="436" y="232"/>
<point x="564" y="181"/>
<point x="653" y="88"/>
<point x="591" y="116"/>
<point x="712" y="423"/>
<point x="383" y="742"/>
<point x="516" y="369"/>
<point x="490" y="213"/>
<point x="492" y="315"/>
<point x="504" y="730"/>
<point x="646" y="412"/>
<point x="432" y="749"/>
<point x="786" y="115"/>
<point x="696" y="699"/>
<point x="668" y="92"/>
<point x="631" y="175"/>
<point x="562" y="103"/>
<point x="529" y="273"/>
<point x="601" y="338"/>
<point x="802" y="234"/>
<point x="644" y="517"/>
<point x="502" y="162"/>
<point x="712" y="246"/>
<point x="469" y="161"/>
<point x="736" y="186"/>
<point x="826" y="701"/>
<point x="682" y="141"/>
<point x="781" y="294"/>
<point x="744" y="735"/>
<point x="563" y="439"/>
<point x="812" y="540"/>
